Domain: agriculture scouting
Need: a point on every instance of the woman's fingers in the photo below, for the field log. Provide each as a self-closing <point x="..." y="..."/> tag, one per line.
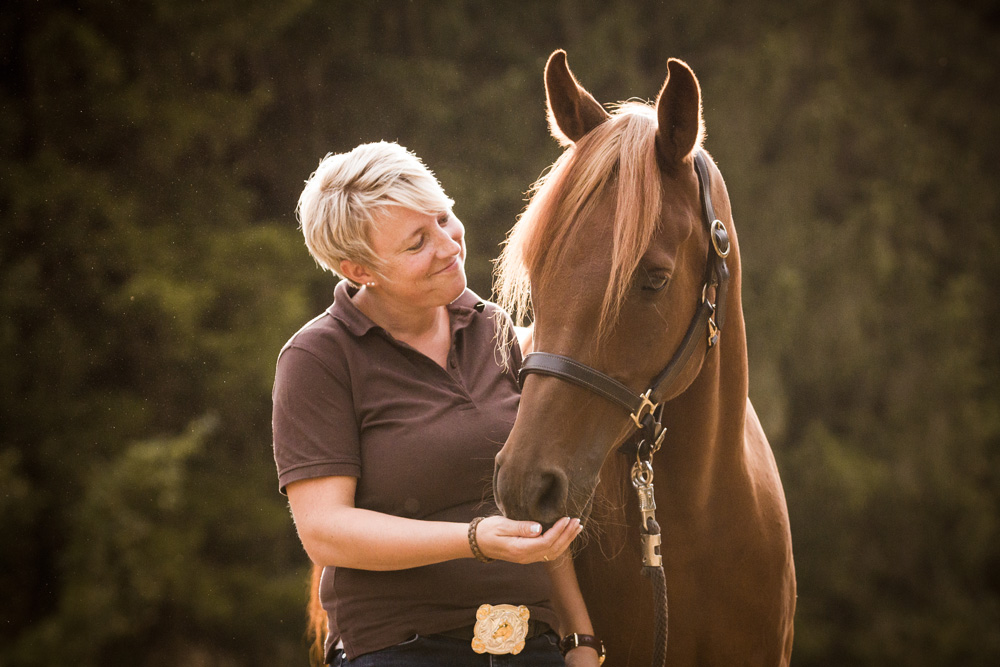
<point x="553" y="542"/>
<point x="523" y="541"/>
<point x="564" y="539"/>
<point x="526" y="529"/>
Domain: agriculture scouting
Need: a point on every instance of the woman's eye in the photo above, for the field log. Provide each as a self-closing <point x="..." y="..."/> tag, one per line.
<point x="443" y="219"/>
<point x="418" y="245"/>
<point x="655" y="282"/>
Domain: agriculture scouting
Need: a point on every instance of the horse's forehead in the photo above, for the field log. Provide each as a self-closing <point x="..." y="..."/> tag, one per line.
<point x="591" y="243"/>
<point x="680" y="213"/>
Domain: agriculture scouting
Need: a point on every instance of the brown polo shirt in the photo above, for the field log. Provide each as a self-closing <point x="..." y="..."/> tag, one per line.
<point x="349" y="399"/>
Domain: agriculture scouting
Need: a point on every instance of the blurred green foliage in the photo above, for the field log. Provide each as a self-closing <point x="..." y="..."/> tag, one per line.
<point x="151" y="156"/>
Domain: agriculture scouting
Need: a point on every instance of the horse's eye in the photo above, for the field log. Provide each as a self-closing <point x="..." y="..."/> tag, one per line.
<point x="655" y="282"/>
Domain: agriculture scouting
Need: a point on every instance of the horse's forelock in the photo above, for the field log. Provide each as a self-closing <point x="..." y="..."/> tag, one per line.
<point x="620" y="152"/>
<point x="637" y="210"/>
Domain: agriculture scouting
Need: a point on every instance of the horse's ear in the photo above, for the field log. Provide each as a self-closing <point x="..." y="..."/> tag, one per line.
<point x="573" y="112"/>
<point x="678" y="110"/>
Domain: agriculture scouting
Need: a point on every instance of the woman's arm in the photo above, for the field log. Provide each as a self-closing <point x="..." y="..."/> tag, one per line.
<point x="571" y="609"/>
<point x="525" y="337"/>
<point x="335" y="532"/>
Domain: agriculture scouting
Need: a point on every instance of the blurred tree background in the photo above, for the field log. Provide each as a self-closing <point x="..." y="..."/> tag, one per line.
<point x="152" y="153"/>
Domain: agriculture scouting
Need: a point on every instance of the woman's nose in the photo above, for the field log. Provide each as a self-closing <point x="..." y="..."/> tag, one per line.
<point x="453" y="235"/>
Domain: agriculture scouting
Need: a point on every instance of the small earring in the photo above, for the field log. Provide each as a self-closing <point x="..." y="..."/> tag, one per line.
<point x="371" y="284"/>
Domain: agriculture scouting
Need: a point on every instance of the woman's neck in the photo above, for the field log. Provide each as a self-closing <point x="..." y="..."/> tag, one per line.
<point x="426" y="329"/>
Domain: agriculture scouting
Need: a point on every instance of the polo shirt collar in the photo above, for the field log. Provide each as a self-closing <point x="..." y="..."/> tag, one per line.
<point x="463" y="310"/>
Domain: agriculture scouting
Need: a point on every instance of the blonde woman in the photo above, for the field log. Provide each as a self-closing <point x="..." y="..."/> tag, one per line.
<point x="389" y="408"/>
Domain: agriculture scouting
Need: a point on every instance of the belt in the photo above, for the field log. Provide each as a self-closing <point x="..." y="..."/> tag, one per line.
<point x="467" y="633"/>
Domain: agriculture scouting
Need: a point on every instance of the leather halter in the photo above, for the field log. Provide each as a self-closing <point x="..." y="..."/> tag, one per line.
<point x="709" y="317"/>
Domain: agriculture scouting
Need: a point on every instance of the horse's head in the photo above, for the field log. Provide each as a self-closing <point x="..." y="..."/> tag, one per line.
<point x="610" y="256"/>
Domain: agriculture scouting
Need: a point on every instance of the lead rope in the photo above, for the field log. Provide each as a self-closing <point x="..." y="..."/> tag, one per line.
<point x="652" y="560"/>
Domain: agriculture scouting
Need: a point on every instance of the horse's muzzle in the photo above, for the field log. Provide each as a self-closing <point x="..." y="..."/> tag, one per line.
<point x="531" y="495"/>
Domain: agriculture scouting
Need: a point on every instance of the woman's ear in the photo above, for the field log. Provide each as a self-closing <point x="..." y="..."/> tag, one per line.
<point x="356" y="273"/>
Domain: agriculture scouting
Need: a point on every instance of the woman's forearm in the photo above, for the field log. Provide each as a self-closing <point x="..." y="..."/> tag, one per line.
<point x="572" y="610"/>
<point x="367" y="540"/>
<point x="336" y="533"/>
<point x="567" y="598"/>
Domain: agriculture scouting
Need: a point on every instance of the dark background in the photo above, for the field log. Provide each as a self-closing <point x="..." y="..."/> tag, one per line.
<point x="152" y="153"/>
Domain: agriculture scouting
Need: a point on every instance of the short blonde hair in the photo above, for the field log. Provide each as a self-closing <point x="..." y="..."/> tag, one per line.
<point x="349" y="193"/>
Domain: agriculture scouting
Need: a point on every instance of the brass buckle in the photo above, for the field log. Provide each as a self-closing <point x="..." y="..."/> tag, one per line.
<point x="658" y="440"/>
<point x="718" y="226"/>
<point x="500" y="629"/>
<point x="646" y="408"/>
<point x="713" y="332"/>
<point x="713" y="328"/>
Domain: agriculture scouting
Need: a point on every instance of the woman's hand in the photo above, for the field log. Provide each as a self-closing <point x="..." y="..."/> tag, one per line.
<point x="521" y="541"/>
<point x="582" y="656"/>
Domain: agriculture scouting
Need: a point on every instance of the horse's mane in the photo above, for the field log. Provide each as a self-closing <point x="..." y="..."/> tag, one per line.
<point x="617" y="157"/>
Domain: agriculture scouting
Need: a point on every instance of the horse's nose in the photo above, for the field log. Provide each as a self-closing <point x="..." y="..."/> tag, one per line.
<point x="536" y="495"/>
<point x="549" y="499"/>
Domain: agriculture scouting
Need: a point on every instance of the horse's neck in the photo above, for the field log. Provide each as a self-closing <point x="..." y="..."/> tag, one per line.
<point x="703" y="449"/>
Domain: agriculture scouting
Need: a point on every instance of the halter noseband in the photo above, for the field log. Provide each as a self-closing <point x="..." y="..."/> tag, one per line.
<point x="709" y="316"/>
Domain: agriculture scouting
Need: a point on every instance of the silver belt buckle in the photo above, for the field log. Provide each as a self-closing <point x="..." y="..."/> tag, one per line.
<point x="500" y="629"/>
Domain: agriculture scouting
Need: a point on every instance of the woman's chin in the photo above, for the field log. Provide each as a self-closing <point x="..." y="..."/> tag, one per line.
<point x="458" y="288"/>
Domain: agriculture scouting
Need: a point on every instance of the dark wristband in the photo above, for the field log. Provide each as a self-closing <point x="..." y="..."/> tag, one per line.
<point x="576" y="640"/>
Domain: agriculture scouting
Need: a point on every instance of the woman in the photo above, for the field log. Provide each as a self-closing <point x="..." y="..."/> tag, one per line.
<point x="388" y="411"/>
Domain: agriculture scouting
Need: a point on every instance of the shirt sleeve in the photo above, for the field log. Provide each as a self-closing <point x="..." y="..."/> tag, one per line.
<point x="313" y="420"/>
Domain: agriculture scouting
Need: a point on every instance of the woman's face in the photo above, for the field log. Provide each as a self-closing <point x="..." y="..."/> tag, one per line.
<point x="423" y="257"/>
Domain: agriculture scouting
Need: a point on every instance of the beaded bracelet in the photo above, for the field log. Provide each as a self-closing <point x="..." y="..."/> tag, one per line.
<point x="476" y="551"/>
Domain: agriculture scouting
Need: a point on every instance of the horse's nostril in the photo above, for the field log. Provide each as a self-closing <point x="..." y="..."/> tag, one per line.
<point x="551" y="501"/>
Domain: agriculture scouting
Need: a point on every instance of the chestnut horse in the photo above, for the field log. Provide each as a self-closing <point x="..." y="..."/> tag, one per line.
<point x="610" y="256"/>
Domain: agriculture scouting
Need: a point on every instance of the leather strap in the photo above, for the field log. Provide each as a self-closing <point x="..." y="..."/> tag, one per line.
<point x="474" y="543"/>
<point x="717" y="273"/>
<point x="687" y="347"/>
<point x="556" y="365"/>
<point x="701" y="165"/>
<point x="468" y="632"/>
<point x="576" y="640"/>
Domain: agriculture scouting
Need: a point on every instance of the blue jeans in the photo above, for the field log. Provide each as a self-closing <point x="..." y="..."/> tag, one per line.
<point x="438" y="651"/>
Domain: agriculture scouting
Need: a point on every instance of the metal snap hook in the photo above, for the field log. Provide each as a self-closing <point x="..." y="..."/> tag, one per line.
<point x="642" y="474"/>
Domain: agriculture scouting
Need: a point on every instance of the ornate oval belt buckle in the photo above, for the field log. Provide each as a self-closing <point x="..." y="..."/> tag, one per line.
<point x="500" y="629"/>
